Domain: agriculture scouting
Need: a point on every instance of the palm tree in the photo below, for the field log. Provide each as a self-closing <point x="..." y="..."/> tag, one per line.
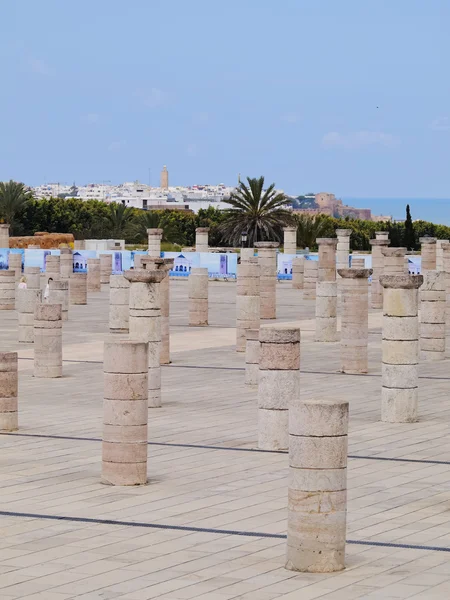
<point x="119" y="219"/>
<point x="309" y="228"/>
<point x="13" y="198"/>
<point x="151" y="219"/>
<point x="258" y="213"/>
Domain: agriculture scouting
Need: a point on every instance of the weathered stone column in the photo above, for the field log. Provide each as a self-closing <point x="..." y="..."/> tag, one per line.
<point x="428" y="252"/>
<point x="382" y="235"/>
<point x="15" y="264"/>
<point x="376" y="291"/>
<point x="290" y="240"/>
<point x="393" y="261"/>
<point x="342" y="248"/>
<point x="400" y="348"/>
<point x="354" y="319"/>
<point x="154" y="242"/>
<point x="201" y="239"/>
<point x="26" y="302"/>
<point x="145" y="324"/>
<point x="440" y="254"/>
<point x="432" y="316"/>
<point x="317" y="497"/>
<point x="66" y="263"/>
<point x="267" y="258"/>
<point x="78" y="288"/>
<point x="52" y="267"/>
<point x="278" y="385"/>
<point x="298" y="269"/>
<point x="59" y="294"/>
<point x="47" y="341"/>
<point x="247" y="253"/>
<point x="198" y="297"/>
<point x="33" y="275"/>
<point x="4" y="235"/>
<point x="310" y="279"/>
<point x="252" y="357"/>
<point x="105" y="268"/>
<point x="9" y="420"/>
<point x="326" y="292"/>
<point x="7" y="290"/>
<point x="119" y="300"/>
<point x="93" y="275"/>
<point x="248" y="307"/>
<point x="358" y="263"/>
<point x="125" y="413"/>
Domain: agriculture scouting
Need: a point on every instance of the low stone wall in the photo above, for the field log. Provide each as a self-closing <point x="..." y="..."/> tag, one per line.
<point x="45" y="241"/>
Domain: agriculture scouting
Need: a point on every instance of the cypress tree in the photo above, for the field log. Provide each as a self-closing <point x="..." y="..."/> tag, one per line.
<point x="409" y="237"/>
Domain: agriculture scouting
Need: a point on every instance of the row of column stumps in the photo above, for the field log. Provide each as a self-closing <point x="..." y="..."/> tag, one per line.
<point x="326" y="292"/>
<point x="248" y="305"/>
<point x="145" y="323"/>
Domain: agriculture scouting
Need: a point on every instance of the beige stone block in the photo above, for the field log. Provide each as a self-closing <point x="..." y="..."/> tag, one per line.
<point x="126" y="356"/>
<point x="125" y="412"/>
<point x="318" y="452"/>
<point x="119" y="387"/>
<point x="433" y="345"/>
<point x="326" y="329"/>
<point x="317" y="501"/>
<point x="400" y="328"/>
<point x="432" y="312"/>
<point x="400" y="302"/>
<point x="273" y="429"/>
<point x="281" y="334"/>
<point x="311" y="480"/>
<point x="9" y="421"/>
<point x="251" y="374"/>
<point x="399" y="376"/>
<point x="124" y="473"/>
<point x="124" y="452"/>
<point x="318" y="418"/>
<point x="399" y="405"/>
<point x="128" y="434"/>
<point x="400" y="353"/>
<point x="279" y="356"/>
<point x="277" y="389"/>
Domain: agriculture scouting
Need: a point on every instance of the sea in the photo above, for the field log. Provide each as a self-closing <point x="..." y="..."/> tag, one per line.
<point x="436" y="210"/>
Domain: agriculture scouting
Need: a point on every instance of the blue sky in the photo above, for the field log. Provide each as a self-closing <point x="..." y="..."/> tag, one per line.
<point x="350" y="96"/>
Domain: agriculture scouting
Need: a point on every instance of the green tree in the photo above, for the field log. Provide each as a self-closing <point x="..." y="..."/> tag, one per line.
<point x="119" y="219"/>
<point x="309" y="228"/>
<point x="409" y="236"/>
<point x="152" y="219"/>
<point x="261" y="214"/>
<point x="14" y="197"/>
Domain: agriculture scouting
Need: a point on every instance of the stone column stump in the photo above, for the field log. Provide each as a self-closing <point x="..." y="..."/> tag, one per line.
<point x="9" y="418"/>
<point x="432" y="316"/>
<point x="198" y="297"/>
<point x="278" y="385"/>
<point x="247" y="253"/>
<point x="78" y="288"/>
<point x="59" y="294"/>
<point x="66" y="263"/>
<point x="342" y="248"/>
<point x="428" y="252"/>
<point x="119" y="300"/>
<point x="326" y="312"/>
<point x="125" y="413"/>
<point x="310" y="279"/>
<point x="400" y="348"/>
<point x="47" y="341"/>
<point x="290" y="240"/>
<point x="248" y="306"/>
<point x="154" y="242"/>
<point x="267" y="259"/>
<point x="394" y="261"/>
<point x="33" y="276"/>
<point x="93" y="275"/>
<point x="7" y="290"/>
<point x="376" y="291"/>
<point x="252" y="357"/>
<point x="298" y="269"/>
<point x="26" y="302"/>
<point x="317" y="497"/>
<point x="52" y="267"/>
<point x="105" y="268"/>
<point x="201" y="239"/>
<point x="440" y="254"/>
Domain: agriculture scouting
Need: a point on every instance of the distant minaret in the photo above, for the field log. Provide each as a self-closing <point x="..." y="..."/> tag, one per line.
<point x="165" y="178"/>
<point x="239" y="178"/>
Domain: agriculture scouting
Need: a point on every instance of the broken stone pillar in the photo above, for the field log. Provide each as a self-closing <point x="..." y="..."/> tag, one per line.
<point x="154" y="242"/>
<point x="428" y="252"/>
<point x="7" y="290"/>
<point x="248" y="308"/>
<point x="93" y="275"/>
<point x="119" y="300"/>
<point x="105" y="268"/>
<point x="432" y="316"/>
<point x="201" y="239"/>
<point x="342" y="248"/>
<point x="4" y="235"/>
<point x="33" y="276"/>
<point x="326" y="292"/>
<point x="66" y="263"/>
<point x="47" y="341"/>
<point x="59" y="294"/>
<point x="278" y="384"/>
<point x="440" y="254"/>
<point x="78" y="288"/>
<point x="125" y="413"/>
<point x="354" y="319"/>
<point x="298" y="269"/>
<point x="9" y="420"/>
<point x="376" y="291"/>
<point x="52" y="267"/>
<point x="145" y="324"/>
<point x="400" y="348"/>
<point x="198" y="297"/>
<point x="290" y="240"/>
<point x="252" y="357"/>
<point x="15" y="264"/>
<point x="310" y="279"/>
<point x="267" y="259"/>
<point x="247" y="253"/>
<point x="317" y="496"/>
<point x="137" y="261"/>
<point x="393" y="261"/>
<point x="26" y="301"/>
<point x="358" y="263"/>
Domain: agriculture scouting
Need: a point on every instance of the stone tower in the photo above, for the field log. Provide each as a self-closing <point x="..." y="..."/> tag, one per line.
<point x="165" y="178"/>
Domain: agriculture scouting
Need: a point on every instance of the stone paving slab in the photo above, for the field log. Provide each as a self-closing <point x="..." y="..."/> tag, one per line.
<point x="200" y="528"/>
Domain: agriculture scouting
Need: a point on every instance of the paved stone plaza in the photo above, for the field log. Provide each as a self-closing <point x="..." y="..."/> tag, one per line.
<point x="211" y="524"/>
